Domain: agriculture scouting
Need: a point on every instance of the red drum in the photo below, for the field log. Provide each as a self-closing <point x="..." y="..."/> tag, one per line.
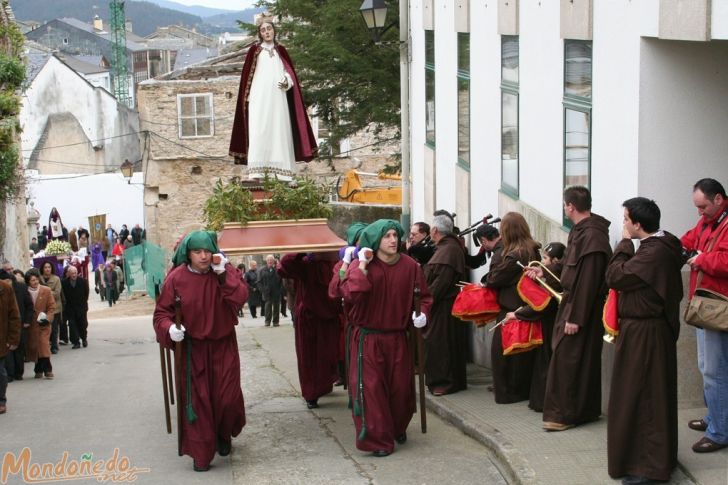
<point x="610" y="318"/>
<point x="520" y="336"/>
<point x="476" y="304"/>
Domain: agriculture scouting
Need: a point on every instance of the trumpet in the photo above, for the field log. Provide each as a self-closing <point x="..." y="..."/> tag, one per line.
<point x="541" y="281"/>
<point x="607" y="337"/>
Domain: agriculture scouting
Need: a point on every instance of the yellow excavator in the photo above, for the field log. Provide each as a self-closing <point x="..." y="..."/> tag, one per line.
<point x="350" y="189"/>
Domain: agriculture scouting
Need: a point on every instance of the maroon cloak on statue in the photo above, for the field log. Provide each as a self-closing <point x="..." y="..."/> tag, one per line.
<point x="304" y="142"/>
<point x="317" y="323"/>
<point x="381" y="302"/>
<point x="209" y="311"/>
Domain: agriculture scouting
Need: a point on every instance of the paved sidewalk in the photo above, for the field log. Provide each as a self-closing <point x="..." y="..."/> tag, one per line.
<point x="577" y="456"/>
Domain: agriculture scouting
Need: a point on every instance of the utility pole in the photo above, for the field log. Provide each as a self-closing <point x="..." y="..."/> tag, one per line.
<point x="119" y="62"/>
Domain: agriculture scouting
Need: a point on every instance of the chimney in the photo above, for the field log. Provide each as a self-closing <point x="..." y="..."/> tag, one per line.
<point x="98" y="23"/>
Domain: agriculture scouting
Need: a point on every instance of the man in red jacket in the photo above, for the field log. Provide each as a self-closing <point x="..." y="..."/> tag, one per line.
<point x="712" y="228"/>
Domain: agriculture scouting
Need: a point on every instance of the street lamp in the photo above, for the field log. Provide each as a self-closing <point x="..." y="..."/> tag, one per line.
<point x="127" y="170"/>
<point x="374" y="13"/>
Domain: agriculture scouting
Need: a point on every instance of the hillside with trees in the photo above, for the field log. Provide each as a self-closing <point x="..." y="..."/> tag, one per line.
<point x="145" y="16"/>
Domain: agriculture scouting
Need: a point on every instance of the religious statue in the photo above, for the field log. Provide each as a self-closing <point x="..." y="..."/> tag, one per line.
<point x="271" y="129"/>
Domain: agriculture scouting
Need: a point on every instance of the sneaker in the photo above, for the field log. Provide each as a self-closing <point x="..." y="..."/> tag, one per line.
<point x="63" y="342"/>
<point x="49" y="375"/>
<point x="3" y="409"/>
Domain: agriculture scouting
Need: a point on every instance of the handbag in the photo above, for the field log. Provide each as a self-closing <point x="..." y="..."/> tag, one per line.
<point x="708" y="309"/>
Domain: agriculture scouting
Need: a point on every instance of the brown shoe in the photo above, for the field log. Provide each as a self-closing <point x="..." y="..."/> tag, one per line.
<point x="697" y="424"/>
<point x="706" y="445"/>
<point x="49" y="375"/>
<point x="3" y="409"/>
<point x="552" y="426"/>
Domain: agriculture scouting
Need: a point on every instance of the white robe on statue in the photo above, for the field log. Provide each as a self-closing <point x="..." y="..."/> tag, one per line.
<point x="269" y="125"/>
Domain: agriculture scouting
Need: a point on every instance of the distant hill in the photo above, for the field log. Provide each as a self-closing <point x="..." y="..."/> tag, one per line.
<point x="145" y="16"/>
<point x="190" y="9"/>
<point x="228" y="21"/>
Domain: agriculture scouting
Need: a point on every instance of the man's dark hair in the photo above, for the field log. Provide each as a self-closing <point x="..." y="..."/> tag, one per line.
<point x="487" y="231"/>
<point x="643" y="211"/>
<point x="578" y="196"/>
<point x="710" y="188"/>
<point x="423" y="227"/>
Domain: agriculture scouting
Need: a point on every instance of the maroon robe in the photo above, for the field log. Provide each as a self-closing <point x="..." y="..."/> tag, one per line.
<point x="209" y="313"/>
<point x="574" y="383"/>
<point x="304" y="142"/>
<point x="511" y="373"/>
<point x="317" y="323"/>
<point x="381" y="302"/>
<point x="642" y="435"/>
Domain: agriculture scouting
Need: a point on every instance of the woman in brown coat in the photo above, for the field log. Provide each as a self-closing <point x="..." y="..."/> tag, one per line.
<point x="39" y="348"/>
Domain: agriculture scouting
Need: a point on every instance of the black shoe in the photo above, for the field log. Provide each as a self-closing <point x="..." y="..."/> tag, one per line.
<point x="312" y="404"/>
<point x="85" y="343"/>
<point x="381" y="453"/>
<point x="197" y="468"/>
<point x="401" y="439"/>
<point x="10" y="379"/>
<point x="223" y="447"/>
<point x="76" y="346"/>
<point x="54" y="351"/>
<point x="18" y="378"/>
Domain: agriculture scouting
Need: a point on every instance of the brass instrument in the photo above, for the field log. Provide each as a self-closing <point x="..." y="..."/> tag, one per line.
<point x="541" y="281"/>
<point x="607" y="337"/>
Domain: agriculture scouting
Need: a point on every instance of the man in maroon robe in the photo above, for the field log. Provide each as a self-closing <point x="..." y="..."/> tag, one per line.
<point x="642" y="425"/>
<point x="574" y="385"/>
<point x="304" y="142"/>
<point x="317" y="323"/>
<point x="210" y="295"/>
<point x="380" y="287"/>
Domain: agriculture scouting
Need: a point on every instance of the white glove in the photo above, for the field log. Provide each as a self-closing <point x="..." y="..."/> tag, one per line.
<point x="42" y="316"/>
<point x="363" y="253"/>
<point x="219" y="267"/>
<point x="419" y="321"/>
<point x="175" y="334"/>
<point x="348" y="254"/>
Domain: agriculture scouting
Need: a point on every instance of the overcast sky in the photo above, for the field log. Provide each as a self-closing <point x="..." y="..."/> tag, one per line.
<point x="225" y="4"/>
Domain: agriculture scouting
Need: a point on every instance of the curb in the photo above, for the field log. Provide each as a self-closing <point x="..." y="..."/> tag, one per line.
<point x="512" y="464"/>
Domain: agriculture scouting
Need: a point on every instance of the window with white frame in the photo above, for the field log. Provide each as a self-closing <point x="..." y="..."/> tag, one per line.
<point x="509" y="113"/>
<point x="195" y="115"/>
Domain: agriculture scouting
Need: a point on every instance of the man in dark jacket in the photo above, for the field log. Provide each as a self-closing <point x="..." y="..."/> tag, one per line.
<point x="254" y="298"/>
<point x="270" y="284"/>
<point x="75" y="291"/>
<point x="9" y="334"/>
<point x="15" y="361"/>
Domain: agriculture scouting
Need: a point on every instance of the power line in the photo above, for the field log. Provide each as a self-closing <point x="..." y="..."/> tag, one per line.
<point x="84" y="142"/>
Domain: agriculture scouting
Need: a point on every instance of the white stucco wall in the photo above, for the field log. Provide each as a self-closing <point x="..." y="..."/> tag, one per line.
<point x="79" y="196"/>
<point x="59" y="89"/>
<point x="683" y="118"/>
<point x="719" y="19"/>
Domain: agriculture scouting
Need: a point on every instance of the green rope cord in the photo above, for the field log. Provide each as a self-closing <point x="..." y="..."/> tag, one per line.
<point x="347" y="353"/>
<point x="191" y="416"/>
